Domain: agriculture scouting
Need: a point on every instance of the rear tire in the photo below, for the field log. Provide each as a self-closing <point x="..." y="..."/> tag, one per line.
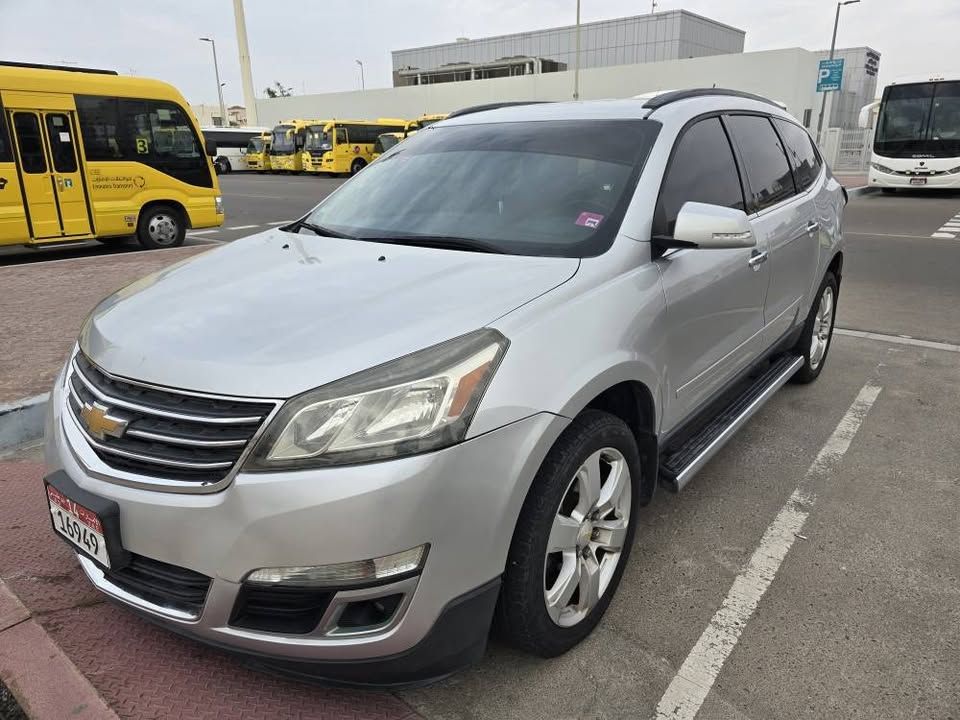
<point x="559" y="579"/>
<point x="814" y="342"/>
<point x="161" y="226"/>
<point x="357" y="165"/>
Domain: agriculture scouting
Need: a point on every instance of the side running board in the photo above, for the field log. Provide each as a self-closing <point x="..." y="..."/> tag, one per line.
<point x="680" y="463"/>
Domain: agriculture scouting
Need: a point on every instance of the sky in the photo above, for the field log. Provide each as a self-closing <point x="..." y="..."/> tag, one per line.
<point x="313" y="46"/>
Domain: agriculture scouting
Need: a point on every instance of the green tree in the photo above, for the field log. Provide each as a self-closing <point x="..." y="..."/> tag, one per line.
<point x="278" y="90"/>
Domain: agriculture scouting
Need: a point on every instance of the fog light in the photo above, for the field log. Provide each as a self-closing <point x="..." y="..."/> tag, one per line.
<point x="218" y="204"/>
<point x="347" y="573"/>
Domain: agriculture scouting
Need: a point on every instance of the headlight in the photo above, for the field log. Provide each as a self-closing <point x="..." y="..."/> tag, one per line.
<point x="420" y="402"/>
<point x="881" y="168"/>
<point x="953" y="171"/>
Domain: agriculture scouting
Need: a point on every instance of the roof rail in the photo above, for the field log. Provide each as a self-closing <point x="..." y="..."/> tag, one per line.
<point x="65" y="68"/>
<point x="493" y="106"/>
<point x="674" y="95"/>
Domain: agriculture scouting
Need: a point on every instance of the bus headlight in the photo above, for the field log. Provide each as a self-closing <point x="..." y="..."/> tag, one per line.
<point x="881" y="168"/>
<point x="218" y="204"/>
<point x="953" y="171"/>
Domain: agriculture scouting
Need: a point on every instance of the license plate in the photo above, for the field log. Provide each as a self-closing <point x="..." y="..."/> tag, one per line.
<point x="918" y="181"/>
<point x="78" y="524"/>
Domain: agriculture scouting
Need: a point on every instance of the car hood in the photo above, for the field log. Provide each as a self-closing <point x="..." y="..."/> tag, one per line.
<point x="278" y="313"/>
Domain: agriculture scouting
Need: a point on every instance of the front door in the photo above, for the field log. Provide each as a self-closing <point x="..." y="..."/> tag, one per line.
<point x="52" y="182"/>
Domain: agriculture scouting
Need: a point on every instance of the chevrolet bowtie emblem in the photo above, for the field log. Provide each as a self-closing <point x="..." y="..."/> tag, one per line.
<point x="100" y="423"/>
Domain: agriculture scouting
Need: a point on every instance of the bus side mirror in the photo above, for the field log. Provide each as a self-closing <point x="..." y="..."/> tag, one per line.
<point x="211" y="148"/>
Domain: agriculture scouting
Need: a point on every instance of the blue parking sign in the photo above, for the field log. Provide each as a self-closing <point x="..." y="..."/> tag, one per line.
<point x="830" y="75"/>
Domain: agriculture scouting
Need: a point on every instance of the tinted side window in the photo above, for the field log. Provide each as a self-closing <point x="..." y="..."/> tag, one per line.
<point x="27" y="127"/>
<point x="803" y="158"/>
<point x="152" y="132"/>
<point x="60" y="136"/>
<point x="6" y="151"/>
<point x="703" y="170"/>
<point x="765" y="162"/>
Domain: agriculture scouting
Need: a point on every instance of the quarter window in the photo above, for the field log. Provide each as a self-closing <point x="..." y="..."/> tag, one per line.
<point x="702" y="170"/>
<point x="764" y="160"/>
<point x="803" y="158"/>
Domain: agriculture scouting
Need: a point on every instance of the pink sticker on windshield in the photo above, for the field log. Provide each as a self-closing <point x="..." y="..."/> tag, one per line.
<point x="589" y="219"/>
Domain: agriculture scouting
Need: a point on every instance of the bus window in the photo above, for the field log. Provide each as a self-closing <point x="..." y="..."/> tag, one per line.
<point x="61" y="145"/>
<point x="6" y="150"/>
<point x="27" y="128"/>
<point x="341" y="135"/>
<point x="153" y="132"/>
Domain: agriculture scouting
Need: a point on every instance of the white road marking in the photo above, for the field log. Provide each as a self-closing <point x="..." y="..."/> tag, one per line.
<point x="279" y="222"/>
<point x="891" y="235"/>
<point x="899" y="340"/>
<point x="242" y="227"/>
<point x="192" y="233"/>
<point x="943" y="235"/>
<point x="692" y="683"/>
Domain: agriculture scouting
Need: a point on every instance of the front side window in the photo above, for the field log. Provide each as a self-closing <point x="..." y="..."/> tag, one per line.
<point x="6" y="152"/>
<point x="765" y="162"/>
<point x="803" y="158"/>
<point x="61" y="143"/>
<point x="702" y="170"/>
<point x="153" y="132"/>
<point x="551" y="188"/>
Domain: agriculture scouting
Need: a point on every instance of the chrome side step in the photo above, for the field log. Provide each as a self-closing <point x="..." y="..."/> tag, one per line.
<point x="678" y="464"/>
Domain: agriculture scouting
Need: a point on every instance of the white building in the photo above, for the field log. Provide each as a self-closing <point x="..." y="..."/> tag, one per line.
<point x="209" y="115"/>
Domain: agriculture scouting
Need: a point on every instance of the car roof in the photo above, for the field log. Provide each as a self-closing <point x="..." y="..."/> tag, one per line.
<point x="685" y="102"/>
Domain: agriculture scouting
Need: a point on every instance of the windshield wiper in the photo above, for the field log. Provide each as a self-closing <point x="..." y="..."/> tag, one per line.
<point x="443" y="242"/>
<point x="319" y="230"/>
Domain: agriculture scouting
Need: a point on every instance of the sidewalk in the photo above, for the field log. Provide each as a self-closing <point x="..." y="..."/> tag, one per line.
<point x="138" y="670"/>
<point x="852" y="180"/>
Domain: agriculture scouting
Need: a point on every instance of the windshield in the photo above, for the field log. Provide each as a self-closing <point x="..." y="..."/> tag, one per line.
<point x="317" y="139"/>
<point x="557" y="188"/>
<point x="919" y="120"/>
<point x="255" y="145"/>
<point x="283" y="140"/>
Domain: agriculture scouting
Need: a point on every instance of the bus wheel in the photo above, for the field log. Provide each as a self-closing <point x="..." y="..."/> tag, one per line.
<point x="161" y="226"/>
<point x="357" y="165"/>
<point x="888" y="191"/>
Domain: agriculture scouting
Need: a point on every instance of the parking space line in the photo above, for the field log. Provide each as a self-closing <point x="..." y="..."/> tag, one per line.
<point x="193" y="233"/>
<point x="692" y="683"/>
<point x="890" y="235"/>
<point x="899" y="340"/>
<point x="279" y="222"/>
<point x="242" y="227"/>
<point x="950" y="236"/>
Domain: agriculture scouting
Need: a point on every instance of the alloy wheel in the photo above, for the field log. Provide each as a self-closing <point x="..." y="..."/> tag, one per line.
<point x="822" y="327"/>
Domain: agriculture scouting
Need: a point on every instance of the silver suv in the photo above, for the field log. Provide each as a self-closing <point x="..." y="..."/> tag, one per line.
<point x="349" y="446"/>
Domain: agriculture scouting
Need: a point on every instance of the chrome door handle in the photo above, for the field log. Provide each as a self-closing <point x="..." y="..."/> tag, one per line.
<point x="813" y="226"/>
<point x="757" y="259"/>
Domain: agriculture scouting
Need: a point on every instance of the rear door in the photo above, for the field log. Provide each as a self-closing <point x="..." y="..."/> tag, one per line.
<point x="714" y="297"/>
<point x="782" y="218"/>
<point x="56" y="199"/>
<point x="13" y="218"/>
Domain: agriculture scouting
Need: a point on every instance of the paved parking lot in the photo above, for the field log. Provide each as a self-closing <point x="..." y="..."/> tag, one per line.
<point x="810" y="571"/>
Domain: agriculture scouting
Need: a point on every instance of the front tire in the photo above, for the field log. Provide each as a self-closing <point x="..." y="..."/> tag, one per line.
<point x="573" y="537"/>
<point x="161" y="226"/>
<point x="814" y="342"/>
<point x="357" y="165"/>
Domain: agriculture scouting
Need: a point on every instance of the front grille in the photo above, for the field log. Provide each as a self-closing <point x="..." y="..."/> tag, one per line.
<point x="168" y="434"/>
<point x="162" y="584"/>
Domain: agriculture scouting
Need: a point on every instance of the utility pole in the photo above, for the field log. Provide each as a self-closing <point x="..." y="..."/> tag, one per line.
<point x="363" y="84"/>
<point x="224" y="120"/>
<point x="246" y="74"/>
<point x="833" y="45"/>
<point x="576" y="62"/>
<point x="653" y="6"/>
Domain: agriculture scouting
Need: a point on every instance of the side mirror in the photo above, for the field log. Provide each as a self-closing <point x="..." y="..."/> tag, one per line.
<point x="712" y="227"/>
<point x="210" y="147"/>
<point x="865" y="118"/>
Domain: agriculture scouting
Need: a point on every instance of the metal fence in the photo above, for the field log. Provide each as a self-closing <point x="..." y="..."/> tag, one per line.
<point x="847" y="150"/>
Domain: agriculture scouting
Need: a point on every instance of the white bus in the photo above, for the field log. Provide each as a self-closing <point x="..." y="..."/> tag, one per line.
<point x="231" y="146"/>
<point x="916" y="142"/>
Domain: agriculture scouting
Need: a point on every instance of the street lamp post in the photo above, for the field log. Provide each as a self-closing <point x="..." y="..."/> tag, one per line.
<point x="363" y="84"/>
<point x="833" y="45"/>
<point x="216" y="70"/>
<point x="576" y="60"/>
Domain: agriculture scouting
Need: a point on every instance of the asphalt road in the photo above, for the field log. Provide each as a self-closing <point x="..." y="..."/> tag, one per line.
<point x="859" y="617"/>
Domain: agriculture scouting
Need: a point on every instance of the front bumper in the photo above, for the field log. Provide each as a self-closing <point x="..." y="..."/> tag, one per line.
<point x="876" y="178"/>
<point x="462" y="502"/>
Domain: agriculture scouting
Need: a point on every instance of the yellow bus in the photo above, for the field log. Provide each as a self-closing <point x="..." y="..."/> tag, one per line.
<point x="286" y="145"/>
<point x="425" y="120"/>
<point x="385" y="141"/>
<point x="344" y="146"/>
<point x="258" y="152"/>
<point x="88" y="154"/>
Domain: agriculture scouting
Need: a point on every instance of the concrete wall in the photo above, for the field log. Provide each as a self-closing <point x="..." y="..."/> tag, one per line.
<point x="785" y="75"/>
